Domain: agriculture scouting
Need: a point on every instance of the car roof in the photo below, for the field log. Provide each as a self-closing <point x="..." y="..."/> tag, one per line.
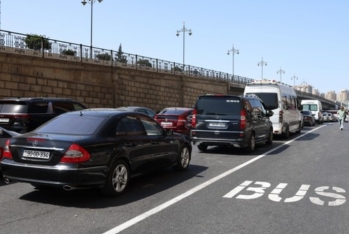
<point x="36" y="99"/>
<point x="102" y="112"/>
<point x="131" y="107"/>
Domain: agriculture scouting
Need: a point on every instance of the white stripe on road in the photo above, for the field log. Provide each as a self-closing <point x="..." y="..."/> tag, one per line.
<point x="163" y="206"/>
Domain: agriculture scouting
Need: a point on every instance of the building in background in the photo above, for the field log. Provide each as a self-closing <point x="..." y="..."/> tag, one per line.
<point x="343" y="96"/>
<point x="331" y="95"/>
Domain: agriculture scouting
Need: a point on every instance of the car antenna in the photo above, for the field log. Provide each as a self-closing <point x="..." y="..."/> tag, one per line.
<point x="80" y="113"/>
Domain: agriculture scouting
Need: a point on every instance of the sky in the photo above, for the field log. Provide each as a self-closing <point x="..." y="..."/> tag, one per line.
<point x="306" y="39"/>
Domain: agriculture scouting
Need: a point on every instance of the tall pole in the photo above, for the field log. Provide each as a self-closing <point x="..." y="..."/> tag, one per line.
<point x="262" y="63"/>
<point x="183" y="30"/>
<point x="294" y="78"/>
<point x="91" y="34"/>
<point x="280" y="72"/>
<point x="91" y="28"/>
<point x="233" y="51"/>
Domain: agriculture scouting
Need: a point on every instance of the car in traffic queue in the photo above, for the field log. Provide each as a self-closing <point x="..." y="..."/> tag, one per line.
<point x="140" y="109"/>
<point x="229" y="120"/>
<point x="308" y="118"/>
<point x="325" y="116"/>
<point x="24" y="114"/>
<point x="176" y="119"/>
<point x="93" y="148"/>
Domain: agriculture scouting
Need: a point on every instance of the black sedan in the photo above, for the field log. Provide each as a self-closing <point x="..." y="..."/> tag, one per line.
<point x="93" y="148"/>
<point x="308" y="118"/>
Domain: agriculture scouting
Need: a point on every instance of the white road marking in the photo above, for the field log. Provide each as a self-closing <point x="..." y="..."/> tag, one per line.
<point x="163" y="206"/>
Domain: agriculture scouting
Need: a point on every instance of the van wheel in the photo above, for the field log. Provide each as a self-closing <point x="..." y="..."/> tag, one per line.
<point x="286" y="134"/>
<point x="299" y="128"/>
<point x="251" y="144"/>
<point x="270" y="137"/>
<point x="202" y="147"/>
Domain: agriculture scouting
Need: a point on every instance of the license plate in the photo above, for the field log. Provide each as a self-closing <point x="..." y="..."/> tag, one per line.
<point x="166" y="123"/>
<point x="217" y="125"/>
<point x="2" y="120"/>
<point x="36" y="154"/>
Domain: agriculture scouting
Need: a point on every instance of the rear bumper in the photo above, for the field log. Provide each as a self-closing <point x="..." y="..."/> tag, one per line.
<point x="54" y="175"/>
<point x="239" y="143"/>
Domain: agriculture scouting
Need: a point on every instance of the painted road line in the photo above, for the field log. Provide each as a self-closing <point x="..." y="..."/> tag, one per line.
<point x="163" y="206"/>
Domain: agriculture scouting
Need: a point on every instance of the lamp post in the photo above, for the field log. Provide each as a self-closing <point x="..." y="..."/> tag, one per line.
<point x="83" y="2"/>
<point x="280" y="72"/>
<point x="294" y="78"/>
<point x="233" y="51"/>
<point x="262" y="63"/>
<point x="183" y="30"/>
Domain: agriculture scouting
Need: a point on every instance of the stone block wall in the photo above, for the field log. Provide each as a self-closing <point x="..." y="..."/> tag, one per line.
<point x="99" y="85"/>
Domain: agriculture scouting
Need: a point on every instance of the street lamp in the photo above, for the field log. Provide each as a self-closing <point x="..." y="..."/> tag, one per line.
<point x="262" y="63"/>
<point x="83" y="2"/>
<point x="233" y="51"/>
<point x="294" y="78"/>
<point x="280" y="72"/>
<point x="183" y="30"/>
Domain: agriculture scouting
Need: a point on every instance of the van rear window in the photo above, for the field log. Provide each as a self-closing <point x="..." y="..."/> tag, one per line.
<point x="13" y="107"/>
<point x="216" y="105"/>
<point x="311" y="107"/>
<point x="270" y="100"/>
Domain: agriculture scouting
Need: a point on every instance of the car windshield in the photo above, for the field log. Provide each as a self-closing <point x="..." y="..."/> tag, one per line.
<point x="172" y="111"/>
<point x="216" y="105"/>
<point x="72" y="124"/>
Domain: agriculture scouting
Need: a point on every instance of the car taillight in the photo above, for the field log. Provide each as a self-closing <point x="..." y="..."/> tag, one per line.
<point x="75" y="154"/>
<point x="181" y="121"/>
<point x="281" y="116"/>
<point x="7" y="153"/>
<point x="193" y="119"/>
<point x="242" y="119"/>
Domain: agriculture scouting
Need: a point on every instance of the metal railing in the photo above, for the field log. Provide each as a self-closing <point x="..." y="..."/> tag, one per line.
<point x="41" y="46"/>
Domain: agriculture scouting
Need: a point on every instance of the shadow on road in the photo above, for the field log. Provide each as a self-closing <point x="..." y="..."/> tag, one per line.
<point x="139" y="188"/>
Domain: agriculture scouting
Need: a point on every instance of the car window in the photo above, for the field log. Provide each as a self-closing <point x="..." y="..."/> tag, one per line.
<point x="150" y="113"/>
<point x="38" y="107"/>
<point x="172" y="111"/>
<point x="132" y="125"/>
<point x="270" y="99"/>
<point x="218" y="105"/>
<point x="151" y="127"/>
<point x="62" y="107"/>
<point x="72" y="124"/>
<point x="78" y="106"/>
<point x="13" y="107"/>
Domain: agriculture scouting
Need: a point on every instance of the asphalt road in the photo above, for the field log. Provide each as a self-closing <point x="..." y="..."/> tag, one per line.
<point x="297" y="185"/>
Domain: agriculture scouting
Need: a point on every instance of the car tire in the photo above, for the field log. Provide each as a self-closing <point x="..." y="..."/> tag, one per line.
<point x="202" y="147"/>
<point x="270" y="137"/>
<point x="286" y="134"/>
<point x="117" y="180"/>
<point x="183" y="159"/>
<point x="251" y="144"/>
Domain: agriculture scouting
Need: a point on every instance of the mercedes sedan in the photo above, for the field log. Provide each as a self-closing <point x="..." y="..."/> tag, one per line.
<point x="93" y="148"/>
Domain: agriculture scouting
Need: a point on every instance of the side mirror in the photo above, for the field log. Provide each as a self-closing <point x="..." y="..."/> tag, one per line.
<point x="270" y="113"/>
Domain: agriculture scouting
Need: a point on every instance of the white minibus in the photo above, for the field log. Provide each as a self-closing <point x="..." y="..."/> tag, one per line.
<point x="282" y="100"/>
<point x="315" y="107"/>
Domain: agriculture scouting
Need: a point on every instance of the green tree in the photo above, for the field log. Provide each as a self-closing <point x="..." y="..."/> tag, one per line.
<point x="104" y="56"/>
<point x="144" y="62"/>
<point x="33" y="41"/>
<point x="119" y="55"/>
<point x="68" y="52"/>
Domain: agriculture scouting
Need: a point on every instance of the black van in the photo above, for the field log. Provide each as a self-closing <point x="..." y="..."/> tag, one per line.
<point x="227" y="120"/>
